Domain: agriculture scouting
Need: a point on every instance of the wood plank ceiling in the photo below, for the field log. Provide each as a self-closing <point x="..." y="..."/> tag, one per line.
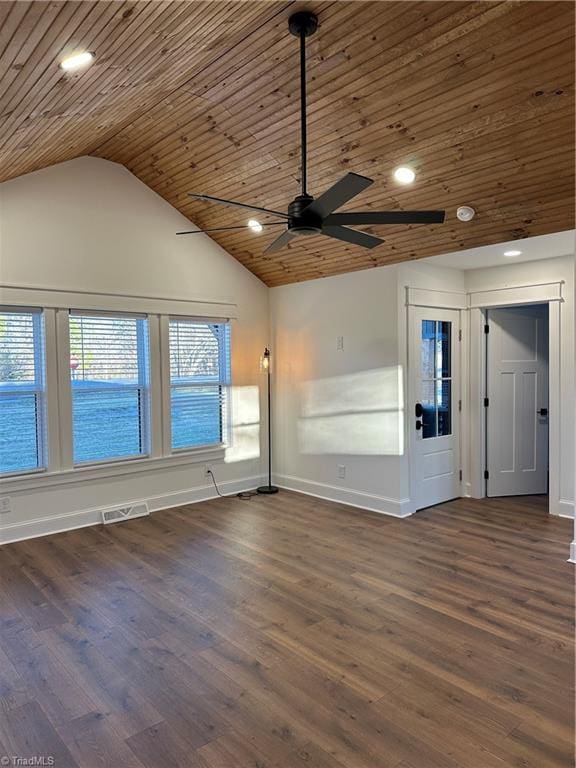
<point x="202" y="96"/>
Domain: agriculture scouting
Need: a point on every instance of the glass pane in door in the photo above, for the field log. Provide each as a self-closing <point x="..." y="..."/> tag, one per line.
<point x="429" y="428"/>
<point x="428" y="349"/>
<point x="443" y="342"/>
<point x="436" y="378"/>
<point x="444" y="406"/>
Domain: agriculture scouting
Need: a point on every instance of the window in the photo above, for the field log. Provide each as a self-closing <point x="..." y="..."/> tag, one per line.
<point x="199" y="381"/>
<point x="436" y="376"/>
<point x="109" y="359"/>
<point x="86" y="387"/>
<point x="22" y="391"/>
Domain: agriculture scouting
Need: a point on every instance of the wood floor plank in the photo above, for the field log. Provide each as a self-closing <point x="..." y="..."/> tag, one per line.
<point x="93" y="742"/>
<point x="27" y="733"/>
<point x="291" y="632"/>
<point x="161" y="745"/>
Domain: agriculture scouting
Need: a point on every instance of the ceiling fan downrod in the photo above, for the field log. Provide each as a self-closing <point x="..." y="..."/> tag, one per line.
<point x="302" y="25"/>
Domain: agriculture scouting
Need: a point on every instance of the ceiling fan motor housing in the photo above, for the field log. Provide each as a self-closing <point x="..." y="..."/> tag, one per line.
<point x="301" y="221"/>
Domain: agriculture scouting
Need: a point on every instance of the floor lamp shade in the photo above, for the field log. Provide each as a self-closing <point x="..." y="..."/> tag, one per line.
<point x="266" y="368"/>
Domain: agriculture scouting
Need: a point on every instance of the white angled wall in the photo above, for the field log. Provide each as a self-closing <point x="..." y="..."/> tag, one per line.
<point x="90" y="225"/>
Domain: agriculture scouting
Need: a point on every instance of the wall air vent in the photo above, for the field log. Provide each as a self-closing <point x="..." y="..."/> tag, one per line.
<point x="119" y="514"/>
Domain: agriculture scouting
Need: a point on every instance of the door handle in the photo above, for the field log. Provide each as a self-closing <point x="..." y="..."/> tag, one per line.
<point x="418" y="424"/>
<point x="543" y="412"/>
<point x="418" y="410"/>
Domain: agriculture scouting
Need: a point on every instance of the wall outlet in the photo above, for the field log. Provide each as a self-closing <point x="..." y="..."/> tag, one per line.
<point x="5" y="505"/>
<point x="208" y="471"/>
<point x="341" y="471"/>
<point x="340" y="343"/>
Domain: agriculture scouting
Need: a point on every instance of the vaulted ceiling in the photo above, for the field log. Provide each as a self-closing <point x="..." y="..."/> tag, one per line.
<point x="203" y="96"/>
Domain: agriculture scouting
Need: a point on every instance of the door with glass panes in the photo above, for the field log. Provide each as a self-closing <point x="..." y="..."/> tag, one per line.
<point x="434" y="411"/>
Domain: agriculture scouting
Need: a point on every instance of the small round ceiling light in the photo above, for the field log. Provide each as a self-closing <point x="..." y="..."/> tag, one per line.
<point x="255" y="225"/>
<point x="77" y="61"/>
<point x="404" y="175"/>
<point x="511" y="253"/>
<point x="465" y="213"/>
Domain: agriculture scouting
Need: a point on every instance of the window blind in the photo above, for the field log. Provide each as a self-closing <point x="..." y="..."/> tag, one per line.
<point x="22" y="391"/>
<point x="109" y="362"/>
<point x="199" y="382"/>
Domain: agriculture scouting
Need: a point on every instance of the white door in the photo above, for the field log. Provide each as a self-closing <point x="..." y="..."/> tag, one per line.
<point x="434" y="416"/>
<point x="517" y="405"/>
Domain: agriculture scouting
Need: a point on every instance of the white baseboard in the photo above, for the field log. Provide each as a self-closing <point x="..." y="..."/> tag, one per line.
<point x="572" y="558"/>
<point x="565" y="508"/>
<point x="370" y="502"/>
<point x="44" y="526"/>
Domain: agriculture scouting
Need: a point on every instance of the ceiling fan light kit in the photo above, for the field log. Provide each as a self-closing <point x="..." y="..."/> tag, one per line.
<point x="307" y="215"/>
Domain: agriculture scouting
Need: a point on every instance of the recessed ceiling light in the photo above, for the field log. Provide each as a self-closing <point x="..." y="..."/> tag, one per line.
<point x="465" y="213"/>
<point x="254" y="225"/>
<point x="511" y="254"/>
<point x="404" y="175"/>
<point x="77" y="61"/>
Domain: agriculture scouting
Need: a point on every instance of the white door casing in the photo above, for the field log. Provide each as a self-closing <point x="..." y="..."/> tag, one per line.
<point x="434" y="364"/>
<point x="517" y="391"/>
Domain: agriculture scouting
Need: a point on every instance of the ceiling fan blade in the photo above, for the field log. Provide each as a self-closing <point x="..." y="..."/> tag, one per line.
<point x="224" y="229"/>
<point x="234" y="203"/>
<point x="280" y="242"/>
<point x="386" y="217"/>
<point x="345" y="189"/>
<point x="352" y="236"/>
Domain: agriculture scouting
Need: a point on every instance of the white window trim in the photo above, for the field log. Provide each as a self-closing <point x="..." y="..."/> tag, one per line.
<point x="56" y="306"/>
<point x="211" y="310"/>
<point x="46" y="479"/>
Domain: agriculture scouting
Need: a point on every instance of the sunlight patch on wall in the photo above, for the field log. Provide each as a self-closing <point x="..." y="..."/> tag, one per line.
<point x="360" y="413"/>
<point x="245" y="424"/>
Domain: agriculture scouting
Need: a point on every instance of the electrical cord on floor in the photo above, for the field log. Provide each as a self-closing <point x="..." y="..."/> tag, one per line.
<point x="241" y="495"/>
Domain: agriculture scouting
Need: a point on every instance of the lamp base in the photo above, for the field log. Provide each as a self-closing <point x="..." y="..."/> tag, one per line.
<point x="267" y="489"/>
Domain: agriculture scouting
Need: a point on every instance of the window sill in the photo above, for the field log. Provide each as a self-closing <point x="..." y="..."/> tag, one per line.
<point x="46" y="479"/>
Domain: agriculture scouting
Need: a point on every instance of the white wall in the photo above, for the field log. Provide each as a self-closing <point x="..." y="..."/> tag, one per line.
<point x="90" y="225"/>
<point x="340" y="407"/>
<point x="320" y="423"/>
<point x="346" y="407"/>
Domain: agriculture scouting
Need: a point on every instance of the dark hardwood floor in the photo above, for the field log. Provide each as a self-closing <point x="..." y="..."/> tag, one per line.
<point x="288" y="632"/>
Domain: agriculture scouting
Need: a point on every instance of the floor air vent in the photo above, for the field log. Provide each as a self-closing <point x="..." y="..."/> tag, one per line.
<point x="124" y="513"/>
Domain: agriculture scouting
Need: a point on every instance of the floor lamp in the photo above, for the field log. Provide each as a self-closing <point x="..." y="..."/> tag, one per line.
<point x="266" y="368"/>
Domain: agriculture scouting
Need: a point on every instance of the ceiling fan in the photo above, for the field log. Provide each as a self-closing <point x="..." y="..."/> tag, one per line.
<point x="313" y="216"/>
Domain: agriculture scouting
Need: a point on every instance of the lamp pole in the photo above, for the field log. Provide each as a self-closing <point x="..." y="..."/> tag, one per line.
<point x="265" y="363"/>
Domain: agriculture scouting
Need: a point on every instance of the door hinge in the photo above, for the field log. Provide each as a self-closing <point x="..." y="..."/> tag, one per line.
<point x="460" y="475"/>
<point x="486" y="474"/>
<point x="460" y="405"/>
<point x="486" y="328"/>
<point x="486" y="402"/>
<point x="460" y="334"/>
